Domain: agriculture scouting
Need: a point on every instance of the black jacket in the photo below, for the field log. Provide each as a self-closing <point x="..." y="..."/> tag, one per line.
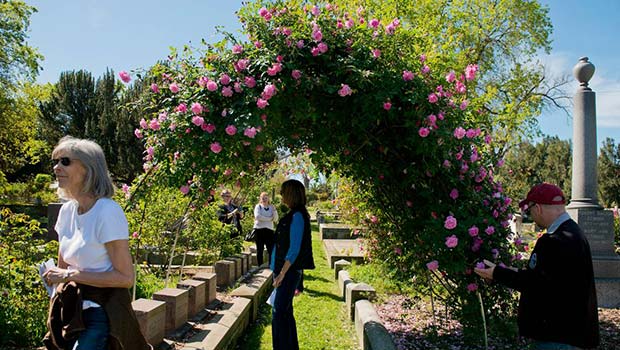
<point x="558" y="297"/>
<point x="222" y="213"/>
<point x="305" y="260"/>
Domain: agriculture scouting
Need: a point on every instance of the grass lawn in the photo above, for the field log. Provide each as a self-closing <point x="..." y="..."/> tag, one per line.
<point x="322" y="323"/>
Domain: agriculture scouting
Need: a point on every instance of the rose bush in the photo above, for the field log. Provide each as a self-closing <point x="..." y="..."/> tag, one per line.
<point x="353" y="91"/>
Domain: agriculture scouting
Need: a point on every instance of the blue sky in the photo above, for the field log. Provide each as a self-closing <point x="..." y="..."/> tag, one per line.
<point x="133" y="34"/>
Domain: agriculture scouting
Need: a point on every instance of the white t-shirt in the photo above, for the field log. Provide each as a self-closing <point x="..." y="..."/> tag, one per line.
<point x="264" y="217"/>
<point x="82" y="237"/>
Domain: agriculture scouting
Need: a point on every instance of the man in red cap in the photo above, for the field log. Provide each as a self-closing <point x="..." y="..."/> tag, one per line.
<point x="557" y="308"/>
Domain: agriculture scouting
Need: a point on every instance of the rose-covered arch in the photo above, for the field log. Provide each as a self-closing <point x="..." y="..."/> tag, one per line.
<point x="353" y="91"/>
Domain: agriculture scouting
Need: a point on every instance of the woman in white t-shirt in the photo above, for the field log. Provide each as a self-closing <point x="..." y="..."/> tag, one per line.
<point x="265" y="215"/>
<point x="93" y="254"/>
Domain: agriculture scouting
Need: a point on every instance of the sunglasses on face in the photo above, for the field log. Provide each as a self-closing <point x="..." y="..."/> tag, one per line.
<point x="528" y="211"/>
<point x="65" y="161"/>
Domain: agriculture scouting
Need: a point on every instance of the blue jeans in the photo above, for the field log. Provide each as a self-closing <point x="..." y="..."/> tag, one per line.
<point x="283" y="326"/>
<point x="545" y="345"/>
<point x="95" y="336"/>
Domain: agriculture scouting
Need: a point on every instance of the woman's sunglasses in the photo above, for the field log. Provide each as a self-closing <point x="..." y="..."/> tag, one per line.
<point x="65" y="161"/>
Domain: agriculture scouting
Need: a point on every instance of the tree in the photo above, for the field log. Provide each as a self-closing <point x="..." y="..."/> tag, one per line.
<point x="19" y="65"/>
<point x="83" y="107"/>
<point x="529" y="164"/>
<point x="18" y="61"/>
<point x="18" y="137"/>
<point x="609" y="173"/>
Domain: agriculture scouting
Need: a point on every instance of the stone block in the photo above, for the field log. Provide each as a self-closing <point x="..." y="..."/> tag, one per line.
<point x="210" y="280"/>
<point x="151" y="315"/>
<point x="225" y="271"/>
<point x="343" y="280"/>
<point x="340" y="265"/>
<point x="355" y="292"/>
<point x="608" y="292"/>
<point x="244" y="264"/>
<point x="247" y="260"/>
<point x="257" y="289"/>
<point x="176" y="306"/>
<point x="371" y="332"/>
<point x="196" y="296"/>
<point x="238" y="268"/>
<point x="336" y="231"/>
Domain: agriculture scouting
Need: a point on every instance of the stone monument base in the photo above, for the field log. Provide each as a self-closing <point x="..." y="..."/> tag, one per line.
<point x="598" y="227"/>
<point x="608" y="292"/>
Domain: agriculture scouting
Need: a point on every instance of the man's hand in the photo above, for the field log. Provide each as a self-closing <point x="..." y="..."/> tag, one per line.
<point x="486" y="273"/>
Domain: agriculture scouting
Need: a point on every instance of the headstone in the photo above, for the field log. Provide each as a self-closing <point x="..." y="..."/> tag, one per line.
<point x="355" y="292"/>
<point x="176" y="306"/>
<point x="225" y="271"/>
<point x="584" y="208"/>
<point x="210" y="280"/>
<point x="340" y="265"/>
<point x="196" y="297"/>
<point x="151" y="315"/>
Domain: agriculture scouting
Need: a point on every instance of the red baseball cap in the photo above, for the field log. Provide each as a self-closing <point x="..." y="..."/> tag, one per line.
<point x="544" y="193"/>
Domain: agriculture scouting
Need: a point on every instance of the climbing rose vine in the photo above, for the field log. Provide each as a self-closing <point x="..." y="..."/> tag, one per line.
<point x="351" y="91"/>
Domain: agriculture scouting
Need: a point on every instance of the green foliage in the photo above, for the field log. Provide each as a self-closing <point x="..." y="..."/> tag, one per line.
<point x="23" y="300"/>
<point x="35" y="190"/>
<point x="367" y="95"/>
<point x="609" y="173"/>
<point x="18" y="61"/>
<point x="503" y="37"/>
<point x="528" y="164"/>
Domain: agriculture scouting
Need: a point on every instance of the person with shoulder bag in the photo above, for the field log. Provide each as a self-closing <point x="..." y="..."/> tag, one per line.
<point x="292" y="253"/>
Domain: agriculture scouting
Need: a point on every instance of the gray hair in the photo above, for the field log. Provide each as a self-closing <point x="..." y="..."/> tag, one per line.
<point x="97" y="180"/>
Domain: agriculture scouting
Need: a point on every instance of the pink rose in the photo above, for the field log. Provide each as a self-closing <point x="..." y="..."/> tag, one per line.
<point x="143" y="124"/>
<point x="261" y="103"/>
<point x="224" y="79"/>
<point x="250" y="132"/>
<point x="459" y="133"/>
<point x="423" y="132"/>
<point x="473" y="231"/>
<point x="231" y="130"/>
<point x="433" y="265"/>
<point x="210" y="128"/>
<point x="387" y="105"/>
<point x="374" y="23"/>
<point x="452" y="241"/>
<point x="432" y="98"/>
<point x="227" y="91"/>
<point x="154" y="124"/>
<point x="125" y="77"/>
<point x="451" y="77"/>
<point x="249" y="82"/>
<point x="454" y="194"/>
<point x="450" y="222"/>
<point x="184" y="189"/>
<point x="470" y="71"/>
<point x="196" y="108"/>
<point x="407" y="75"/>
<point x="489" y="230"/>
<point x="376" y="53"/>
<point x="155" y="88"/>
<point x="198" y="121"/>
<point x="296" y="74"/>
<point x="211" y="85"/>
<point x="174" y="88"/>
<point x="237" y="49"/>
<point x="345" y="90"/>
<point x="216" y="147"/>
<point x="472" y="287"/>
<point x="138" y="133"/>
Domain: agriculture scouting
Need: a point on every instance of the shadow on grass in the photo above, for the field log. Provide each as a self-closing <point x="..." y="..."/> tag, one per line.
<point x="251" y="340"/>
<point x="316" y="294"/>
<point x="309" y="277"/>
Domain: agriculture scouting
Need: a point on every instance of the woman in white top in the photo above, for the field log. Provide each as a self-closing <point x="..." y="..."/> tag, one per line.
<point x="265" y="215"/>
<point x="93" y="254"/>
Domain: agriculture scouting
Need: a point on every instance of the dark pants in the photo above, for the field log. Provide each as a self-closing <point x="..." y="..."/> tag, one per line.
<point x="300" y="285"/>
<point x="264" y="238"/>
<point x="95" y="336"/>
<point x="283" y="326"/>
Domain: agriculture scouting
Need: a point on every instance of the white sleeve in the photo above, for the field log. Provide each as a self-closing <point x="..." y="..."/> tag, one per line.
<point x="275" y="214"/>
<point x="112" y="223"/>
